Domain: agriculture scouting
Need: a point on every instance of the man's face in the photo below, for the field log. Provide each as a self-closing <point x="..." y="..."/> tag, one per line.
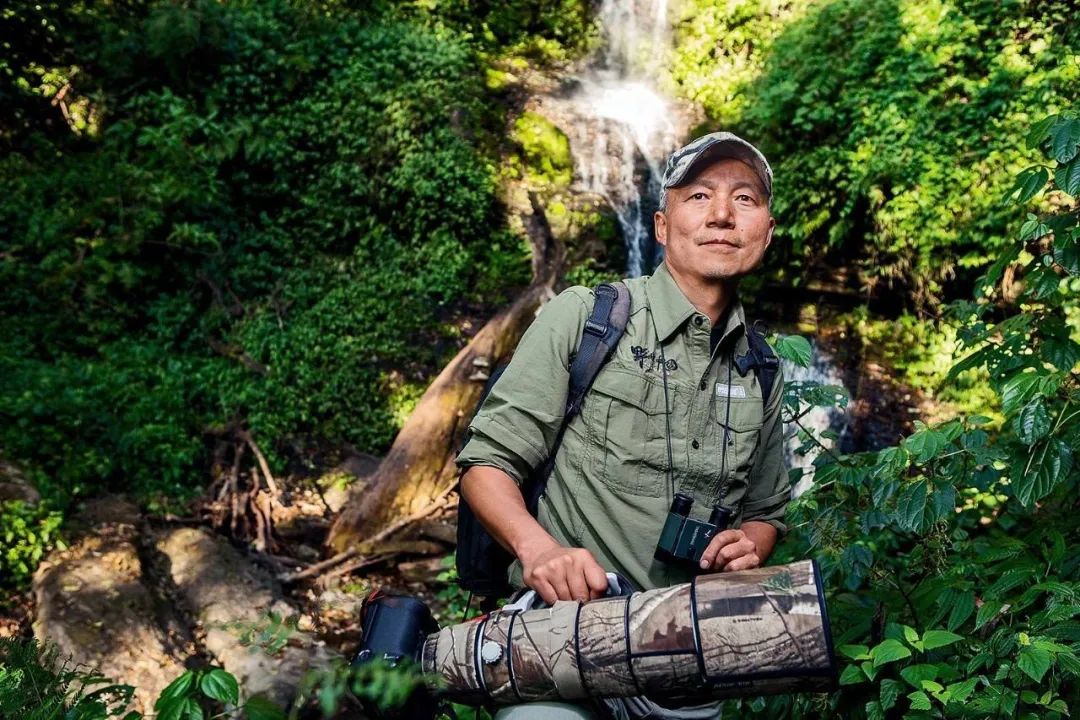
<point x="718" y="225"/>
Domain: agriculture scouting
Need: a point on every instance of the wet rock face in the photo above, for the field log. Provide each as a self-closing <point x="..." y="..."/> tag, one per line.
<point x="93" y="605"/>
<point x="229" y="597"/>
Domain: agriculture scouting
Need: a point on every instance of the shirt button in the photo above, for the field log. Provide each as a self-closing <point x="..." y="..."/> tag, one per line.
<point x="695" y="444"/>
<point x="699" y="320"/>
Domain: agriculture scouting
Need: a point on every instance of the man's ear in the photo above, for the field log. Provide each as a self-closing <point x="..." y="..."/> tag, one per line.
<point x="772" y="226"/>
<point x="660" y="227"/>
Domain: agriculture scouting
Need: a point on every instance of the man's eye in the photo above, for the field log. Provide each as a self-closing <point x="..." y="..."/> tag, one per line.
<point x="698" y="196"/>
<point x="743" y="197"/>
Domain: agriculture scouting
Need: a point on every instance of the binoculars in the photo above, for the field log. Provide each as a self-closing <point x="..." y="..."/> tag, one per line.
<point x="683" y="539"/>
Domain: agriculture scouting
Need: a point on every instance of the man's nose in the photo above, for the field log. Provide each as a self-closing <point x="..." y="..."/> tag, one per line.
<point x="720" y="212"/>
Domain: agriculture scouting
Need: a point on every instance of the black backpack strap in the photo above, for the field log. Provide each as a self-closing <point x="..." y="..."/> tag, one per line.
<point x="760" y="358"/>
<point x="603" y="329"/>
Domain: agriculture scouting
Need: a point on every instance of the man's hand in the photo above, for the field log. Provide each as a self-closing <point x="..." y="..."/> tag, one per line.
<point x="731" y="550"/>
<point x="559" y="573"/>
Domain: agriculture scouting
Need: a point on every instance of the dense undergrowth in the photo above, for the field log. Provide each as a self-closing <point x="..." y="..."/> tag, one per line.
<point x="257" y="214"/>
<point x="893" y="125"/>
<point x="271" y="215"/>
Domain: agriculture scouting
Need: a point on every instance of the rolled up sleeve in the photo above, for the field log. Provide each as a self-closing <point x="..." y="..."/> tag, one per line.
<point x="516" y="427"/>
<point x="770" y="489"/>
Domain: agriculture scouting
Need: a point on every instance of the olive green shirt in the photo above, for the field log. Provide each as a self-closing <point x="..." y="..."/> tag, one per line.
<point x="610" y="489"/>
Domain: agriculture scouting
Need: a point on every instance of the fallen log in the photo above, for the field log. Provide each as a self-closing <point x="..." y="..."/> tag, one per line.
<point x="420" y="465"/>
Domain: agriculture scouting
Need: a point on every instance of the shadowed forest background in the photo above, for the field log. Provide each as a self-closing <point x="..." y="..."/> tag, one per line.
<point x="238" y="242"/>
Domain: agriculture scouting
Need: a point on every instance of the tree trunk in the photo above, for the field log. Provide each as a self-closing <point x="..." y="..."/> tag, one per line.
<point x="420" y="465"/>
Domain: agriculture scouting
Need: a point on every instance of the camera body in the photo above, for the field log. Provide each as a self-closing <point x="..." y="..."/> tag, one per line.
<point x="683" y="539"/>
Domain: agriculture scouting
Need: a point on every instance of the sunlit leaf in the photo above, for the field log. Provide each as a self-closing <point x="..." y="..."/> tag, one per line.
<point x="1034" y="662"/>
<point x="919" y="700"/>
<point x="795" y="348"/>
<point x="220" y="685"/>
<point x="888" y="651"/>
<point x="1032" y="422"/>
<point x="1029" y="183"/>
<point x="939" y="638"/>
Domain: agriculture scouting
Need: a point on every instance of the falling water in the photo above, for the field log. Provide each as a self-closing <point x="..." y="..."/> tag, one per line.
<point x="623" y="127"/>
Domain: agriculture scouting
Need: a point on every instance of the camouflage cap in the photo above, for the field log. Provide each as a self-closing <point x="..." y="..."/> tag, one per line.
<point x="683" y="164"/>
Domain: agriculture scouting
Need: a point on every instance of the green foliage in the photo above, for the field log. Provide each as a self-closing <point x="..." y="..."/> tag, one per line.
<point x="27" y="532"/>
<point x="951" y="585"/>
<point x="36" y="685"/>
<point x="267" y="227"/>
<point x="546" y="148"/>
<point x="892" y="124"/>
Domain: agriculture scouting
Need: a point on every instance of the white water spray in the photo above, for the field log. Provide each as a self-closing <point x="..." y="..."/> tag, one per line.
<point x="623" y="129"/>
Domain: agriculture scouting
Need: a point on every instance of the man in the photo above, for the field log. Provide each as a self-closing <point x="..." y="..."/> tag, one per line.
<point x="668" y="412"/>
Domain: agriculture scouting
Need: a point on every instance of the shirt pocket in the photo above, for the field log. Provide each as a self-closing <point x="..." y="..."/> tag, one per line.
<point x="742" y="429"/>
<point x="629" y="425"/>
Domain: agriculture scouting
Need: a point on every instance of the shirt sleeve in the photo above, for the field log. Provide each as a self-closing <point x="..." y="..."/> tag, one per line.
<point x="515" y="428"/>
<point x="770" y="489"/>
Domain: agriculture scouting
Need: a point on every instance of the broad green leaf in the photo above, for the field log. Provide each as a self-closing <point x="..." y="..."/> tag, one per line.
<point x="910" y="506"/>
<point x="1029" y="183"/>
<point x="888" y="651"/>
<point x="1017" y="390"/>
<point x="1033" y="228"/>
<point x="915" y="674"/>
<point x="987" y="612"/>
<point x="890" y="691"/>
<point x="1034" y="662"/>
<point x="1067" y="177"/>
<point x="1032" y="423"/>
<point x="854" y="652"/>
<point x="939" y="638"/>
<point x="1064" y="138"/>
<point x="911" y="634"/>
<point x="259" y="708"/>
<point x="220" y="685"/>
<point x="1069" y="663"/>
<point x="925" y="445"/>
<point x="1052" y="464"/>
<point x="177" y="688"/>
<point x="961" y="610"/>
<point x="852" y="675"/>
<point x="961" y="691"/>
<point x="795" y="348"/>
<point x="1038" y="132"/>
<point x="919" y="700"/>
<point x="874" y="711"/>
<point x="943" y="502"/>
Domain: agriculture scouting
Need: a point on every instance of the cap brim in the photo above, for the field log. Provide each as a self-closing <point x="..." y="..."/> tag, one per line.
<point x="724" y="148"/>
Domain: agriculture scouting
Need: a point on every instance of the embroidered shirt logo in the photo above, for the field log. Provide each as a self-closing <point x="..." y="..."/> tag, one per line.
<point x="651" y="360"/>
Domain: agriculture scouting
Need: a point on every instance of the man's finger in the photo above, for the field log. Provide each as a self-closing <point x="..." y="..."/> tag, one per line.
<point x="579" y="588"/>
<point x="736" y="550"/>
<point x="708" y="558"/>
<point x="546" y="591"/>
<point x="746" y="562"/>
<point x="597" y="580"/>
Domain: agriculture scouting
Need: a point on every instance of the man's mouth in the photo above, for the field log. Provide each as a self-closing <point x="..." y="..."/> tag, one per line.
<point x="721" y="242"/>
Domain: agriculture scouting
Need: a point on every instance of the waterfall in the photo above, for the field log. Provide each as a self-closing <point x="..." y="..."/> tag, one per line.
<point x="822" y="371"/>
<point x="623" y="128"/>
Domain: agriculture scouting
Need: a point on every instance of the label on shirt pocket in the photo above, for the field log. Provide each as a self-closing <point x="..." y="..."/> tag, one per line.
<point x="725" y="391"/>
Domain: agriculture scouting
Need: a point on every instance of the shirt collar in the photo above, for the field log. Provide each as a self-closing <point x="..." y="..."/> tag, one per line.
<point x="670" y="308"/>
